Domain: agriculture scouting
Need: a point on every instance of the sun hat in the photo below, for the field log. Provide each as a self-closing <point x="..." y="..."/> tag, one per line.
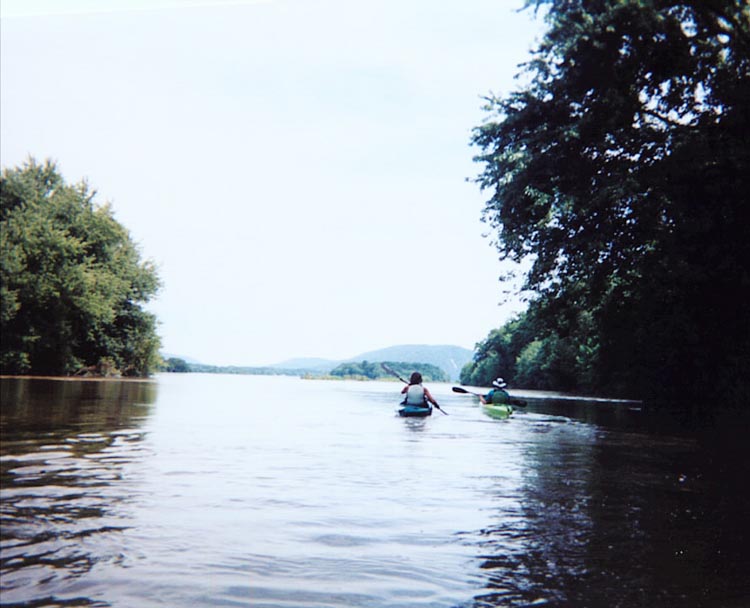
<point x="499" y="383"/>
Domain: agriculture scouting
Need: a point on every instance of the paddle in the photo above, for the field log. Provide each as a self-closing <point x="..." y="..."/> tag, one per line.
<point x="516" y="402"/>
<point x="394" y="373"/>
<point x="458" y="389"/>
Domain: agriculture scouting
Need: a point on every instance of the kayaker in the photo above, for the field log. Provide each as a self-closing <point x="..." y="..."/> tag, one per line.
<point x="416" y="394"/>
<point x="497" y="395"/>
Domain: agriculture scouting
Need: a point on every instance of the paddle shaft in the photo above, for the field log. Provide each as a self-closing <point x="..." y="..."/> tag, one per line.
<point x="393" y="372"/>
<point x="458" y="389"/>
<point x="516" y="402"/>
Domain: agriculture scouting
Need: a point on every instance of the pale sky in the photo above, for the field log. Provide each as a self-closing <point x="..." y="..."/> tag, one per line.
<point x="296" y="169"/>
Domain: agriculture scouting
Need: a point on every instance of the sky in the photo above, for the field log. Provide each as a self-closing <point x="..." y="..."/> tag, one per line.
<point x="299" y="171"/>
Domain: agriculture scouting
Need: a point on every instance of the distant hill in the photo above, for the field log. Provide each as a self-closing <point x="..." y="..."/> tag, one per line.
<point x="448" y="358"/>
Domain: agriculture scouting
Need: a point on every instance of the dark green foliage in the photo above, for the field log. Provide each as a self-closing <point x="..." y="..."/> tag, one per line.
<point x="72" y="280"/>
<point x="623" y="169"/>
<point x="526" y="354"/>
<point x="496" y="355"/>
<point x="374" y="371"/>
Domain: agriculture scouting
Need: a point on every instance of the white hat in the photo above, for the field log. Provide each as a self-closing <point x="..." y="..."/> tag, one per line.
<point x="499" y="383"/>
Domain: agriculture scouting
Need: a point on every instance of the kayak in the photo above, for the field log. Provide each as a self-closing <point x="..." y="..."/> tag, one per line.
<point x="498" y="410"/>
<point x="415" y="410"/>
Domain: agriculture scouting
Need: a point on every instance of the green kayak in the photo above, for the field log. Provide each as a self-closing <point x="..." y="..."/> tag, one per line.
<point x="498" y="410"/>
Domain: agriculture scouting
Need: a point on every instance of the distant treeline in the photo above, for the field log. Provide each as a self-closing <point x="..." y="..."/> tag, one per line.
<point x="374" y="370"/>
<point x="177" y="365"/>
<point x="362" y="370"/>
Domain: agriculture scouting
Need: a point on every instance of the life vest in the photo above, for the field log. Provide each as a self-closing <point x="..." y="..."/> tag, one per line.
<point x="498" y="396"/>
<point x="415" y="395"/>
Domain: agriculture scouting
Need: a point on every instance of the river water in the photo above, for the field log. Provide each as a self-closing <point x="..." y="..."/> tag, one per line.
<point x="216" y="490"/>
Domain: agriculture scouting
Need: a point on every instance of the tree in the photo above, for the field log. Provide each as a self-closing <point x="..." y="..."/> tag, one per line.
<point x="72" y="280"/>
<point x="496" y="355"/>
<point x="622" y="170"/>
<point x="526" y="353"/>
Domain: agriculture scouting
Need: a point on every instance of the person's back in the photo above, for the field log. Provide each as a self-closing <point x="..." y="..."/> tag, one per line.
<point x="499" y="396"/>
<point x="415" y="395"/>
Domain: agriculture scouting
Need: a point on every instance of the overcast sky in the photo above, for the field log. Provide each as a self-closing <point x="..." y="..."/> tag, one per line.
<point x="296" y="169"/>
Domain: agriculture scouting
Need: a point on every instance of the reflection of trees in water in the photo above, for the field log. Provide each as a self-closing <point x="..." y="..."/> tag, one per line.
<point x="68" y="469"/>
<point x="41" y="404"/>
<point x="539" y="539"/>
<point x="616" y="519"/>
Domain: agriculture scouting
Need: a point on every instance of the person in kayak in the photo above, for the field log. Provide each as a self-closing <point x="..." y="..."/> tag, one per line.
<point x="497" y="395"/>
<point x="416" y="394"/>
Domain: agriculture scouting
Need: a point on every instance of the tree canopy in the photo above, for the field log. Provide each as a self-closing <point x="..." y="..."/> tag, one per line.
<point x="526" y="353"/>
<point x="73" y="282"/>
<point x="622" y="171"/>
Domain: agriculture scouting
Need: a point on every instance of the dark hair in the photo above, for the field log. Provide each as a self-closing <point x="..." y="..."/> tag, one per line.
<point x="416" y="378"/>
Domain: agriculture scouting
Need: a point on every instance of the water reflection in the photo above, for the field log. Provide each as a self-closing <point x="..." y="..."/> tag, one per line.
<point x="65" y="446"/>
<point x="230" y="493"/>
<point x="57" y="405"/>
<point x="612" y="518"/>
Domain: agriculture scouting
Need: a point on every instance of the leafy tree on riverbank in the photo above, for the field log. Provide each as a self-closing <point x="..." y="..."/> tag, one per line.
<point x="622" y="171"/>
<point x="526" y="354"/>
<point x="73" y="282"/>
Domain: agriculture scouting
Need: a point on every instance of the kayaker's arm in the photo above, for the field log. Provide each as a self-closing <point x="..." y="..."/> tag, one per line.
<point x="430" y="398"/>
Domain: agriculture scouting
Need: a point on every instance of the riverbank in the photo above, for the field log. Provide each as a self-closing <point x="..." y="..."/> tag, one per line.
<point x="80" y="378"/>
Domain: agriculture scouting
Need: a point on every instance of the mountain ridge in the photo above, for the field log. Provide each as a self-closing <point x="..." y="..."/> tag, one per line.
<point x="448" y="357"/>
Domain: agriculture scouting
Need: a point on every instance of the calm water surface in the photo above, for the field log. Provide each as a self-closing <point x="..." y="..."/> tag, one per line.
<point x="211" y="490"/>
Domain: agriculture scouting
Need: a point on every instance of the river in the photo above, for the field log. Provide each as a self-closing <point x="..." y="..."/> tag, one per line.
<point x="216" y="490"/>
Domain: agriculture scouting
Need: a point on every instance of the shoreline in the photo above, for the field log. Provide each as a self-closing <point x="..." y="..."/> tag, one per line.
<point x="77" y="378"/>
